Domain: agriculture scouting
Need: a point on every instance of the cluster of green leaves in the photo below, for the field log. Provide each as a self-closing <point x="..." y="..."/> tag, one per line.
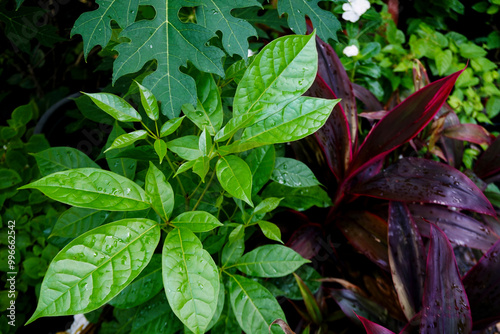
<point x="186" y="176"/>
<point x="33" y="213"/>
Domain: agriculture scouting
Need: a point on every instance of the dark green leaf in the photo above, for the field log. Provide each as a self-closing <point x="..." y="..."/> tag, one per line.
<point x="115" y="106"/>
<point x="76" y="221"/>
<point x="148" y="102"/>
<point x="170" y="126"/>
<point x="299" y="199"/>
<point x="8" y="178"/>
<point x="127" y="139"/>
<point x="123" y="166"/>
<point x="261" y="161"/>
<point x="293" y="173"/>
<point x="235" y="177"/>
<point x="58" y="159"/>
<point x="232" y="251"/>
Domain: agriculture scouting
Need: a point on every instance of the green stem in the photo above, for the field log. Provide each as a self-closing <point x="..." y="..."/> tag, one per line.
<point x="204" y="191"/>
<point x="147" y="129"/>
<point x="178" y="180"/>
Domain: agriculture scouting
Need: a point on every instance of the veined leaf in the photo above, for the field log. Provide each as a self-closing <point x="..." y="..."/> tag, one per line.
<point x="96" y="266"/>
<point x="148" y="102"/>
<point x="92" y="188"/>
<point x="293" y="173"/>
<point x="186" y="147"/>
<point x="299" y="199"/>
<point x="171" y="43"/>
<point x="95" y="26"/>
<point x="160" y="148"/>
<point x="160" y="192"/>
<point x="196" y="221"/>
<point x="154" y="316"/>
<point x="75" y="221"/>
<point x="8" y="178"/>
<point x="170" y="126"/>
<point x="270" y="230"/>
<point x="235" y="177"/>
<point x="270" y="261"/>
<point x="205" y="143"/>
<point x="127" y="139"/>
<point x="115" y="106"/>
<point x="56" y="159"/>
<point x="232" y="251"/>
<point x="261" y="161"/>
<point x="122" y="166"/>
<point x="191" y="279"/>
<point x="267" y="205"/>
<point x="201" y="167"/>
<point x="254" y="306"/>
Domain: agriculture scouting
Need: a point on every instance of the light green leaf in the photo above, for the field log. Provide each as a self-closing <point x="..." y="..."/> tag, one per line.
<point x="261" y="161"/>
<point x="171" y="43"/>
<point x="123" y="166"/>
<point x="127" y="139"/>
<point x="443" y="61"/>
<point x="75" y="221"/>
<point x="96" y="266"/>
<point x="160" y="192"/>
<point x="160" y="149"/>
<point x="95" y="26"/>
<point x="237" y="70"/>
<point x="185" y="167"/>
<point x="324" y="21"/>
<point x="267" y="205"/>
<point x="232" y="251"/>
<point x="299" y="199"/>
<point x="270" y="230"/>
<point x="196" y="221"/>
<point x="201" y="167"/>
<point x="115" y="106"/>
<point x="205" y="143"/>
<point x="293" y="173"/>
<point x="471" y="50"/>
<point x="191" y="279"/>
<point x="220" y="306"/>
<point x="148" y="102"/>
<point x="143" y="288"/>
<point x="236" y="123"/>
<point x="56" y="159"/>
<point x="186" y="147"/>
<point x="254" y="306"/>
<point x="235" y="177"/>
<point x="8" y="178"/>
<point x="237" y="233"/>
<point x="270" y="261"/>
<point x="94" y="189"/>
<point x="170" y="126"/>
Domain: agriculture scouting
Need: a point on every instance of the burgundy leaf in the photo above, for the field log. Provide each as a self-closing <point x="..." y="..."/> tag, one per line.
<point x="427" y="181"/>
<point x="364" y="95"/>
<point x="307" y="241"/>
<point x="373" y="328"/>
<point x="488" y="163"/>
<point x="403" y="122"/>
<point x="374" y="115"/>
<point x="468" y="132"/>
<point x="445" y="305"/>
<point x="407" y="258"/>
<point x="493" y="223"/>
<point x="413" y="326"/>
<point x="452" y="149"/>
<point x="334" y="136"/>
<point x="482" y="284"/>
<point x="460" y="229"/>
<point x="368" y="234"/>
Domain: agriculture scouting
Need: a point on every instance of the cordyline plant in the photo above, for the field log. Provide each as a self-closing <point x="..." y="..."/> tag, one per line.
<point x="387" y="206"/>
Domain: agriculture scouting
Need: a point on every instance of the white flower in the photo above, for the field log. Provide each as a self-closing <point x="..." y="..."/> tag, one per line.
<point x="354" y="9"/>
<point x="351" y="51"/>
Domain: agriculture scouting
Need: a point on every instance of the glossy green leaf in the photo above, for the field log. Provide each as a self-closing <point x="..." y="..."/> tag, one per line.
<point x="8" y="178"/>
<point x="127" y="139"/>
<point x="191" y="279"/>
<point x="267" y="205"/>
<point x="94" y="189"/>
<point x="293" y="173"/>
<point x="56" y="159"/>
<point x="160" y="148"/>
<point x="185" y="167"/>
<point x="123" y="166"/>
<point x="154" y="316"/>
<point x="232" y="251"/>
<point x="220" y="306"/>
<point x="75" y="221"/>
<point x="186" y="147"/>
<point x="227" y="323"/>
<point x="201" y="167"/>
<point x="205" y="143"/>
<point x="170" y="126"/>
<point x="254" y="306"/>
<point x="261" y="161"/>
<point x="115" y="106"/>
<point x="310" y="301"/>
<point x="270" y="261"/>
<point x="235" y="177"/>
<point x="160" y="192"/>
<point x="270" y="230"/>
<point x="148" y="102"/>
<point x="143" y="288"/>
<point x="196" y="221"/>
<point x="299" y="199"/>
<point x="237" y="233"/>
<point x="96" y="266"/>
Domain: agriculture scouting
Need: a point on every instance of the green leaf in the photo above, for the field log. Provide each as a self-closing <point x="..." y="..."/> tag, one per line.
<point x="293" y="173"/>
<point x="56" y="159"/>
<point x="254" y="306"/>
<point x="191" y="279"/>
<point x="160" y="192"/>
<point x="237" y="233"/>
<point x="185" y="167"/>
<point x="22" y="115"/>
<point x="148" y="102"/>
<point x="160" y="149"/>
<point x="216" y="16"/>
<point x="232" y="251"/>
<point x="95" y="26"/>
<point x="201" y="167"/>
<point x="270" y="230"/>
<point x="261" y="161"/>
<point x="123" y="166"/>
<point x="155" y="316"/>
<point x="471" y="50"/>
<point x="96" y="266"/>
<point x="267" y="205"/>
<point x="143" y="288"/>
<point x="235" y="177"/>
<point x="205" y="143"/>
<point x="227" y="323"/>
<point x="127" y="139"/>
<point x="196" y="221"/>
<point x="309" y="300"/>
<point x="186" y="147"/>
<point x="8" y="178"/>
<point x="324" y="21"/>
<point x="115" y="106"/>
<point x="270" y="261"/>
<point x="171" y="43"/>
<point x="94" y="189"/>
<point x="76" y="221"/>
<point x="299" y="199"/>
<point x="170" y="126"/>
<point x="443" y="61"/>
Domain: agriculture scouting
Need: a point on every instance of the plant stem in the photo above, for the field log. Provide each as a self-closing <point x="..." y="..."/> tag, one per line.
<point x="204" y="191"/>
<point x="177" y="178"/>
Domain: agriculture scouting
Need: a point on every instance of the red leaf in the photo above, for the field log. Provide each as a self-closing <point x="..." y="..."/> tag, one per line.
<point x="488" y="164"/>
<point x="452" y="149"/>
<point x="307" y="241"/>
<point x="445" y="305"/>
<point x="407" y="258"/>
<point x="482" y="284"/>
<point x="403" y="122"/>
<point x="364" y="95"/>
<point x="373" y="328"/>
<point x="468" y="132"/>
<point x="427" y="181"/>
